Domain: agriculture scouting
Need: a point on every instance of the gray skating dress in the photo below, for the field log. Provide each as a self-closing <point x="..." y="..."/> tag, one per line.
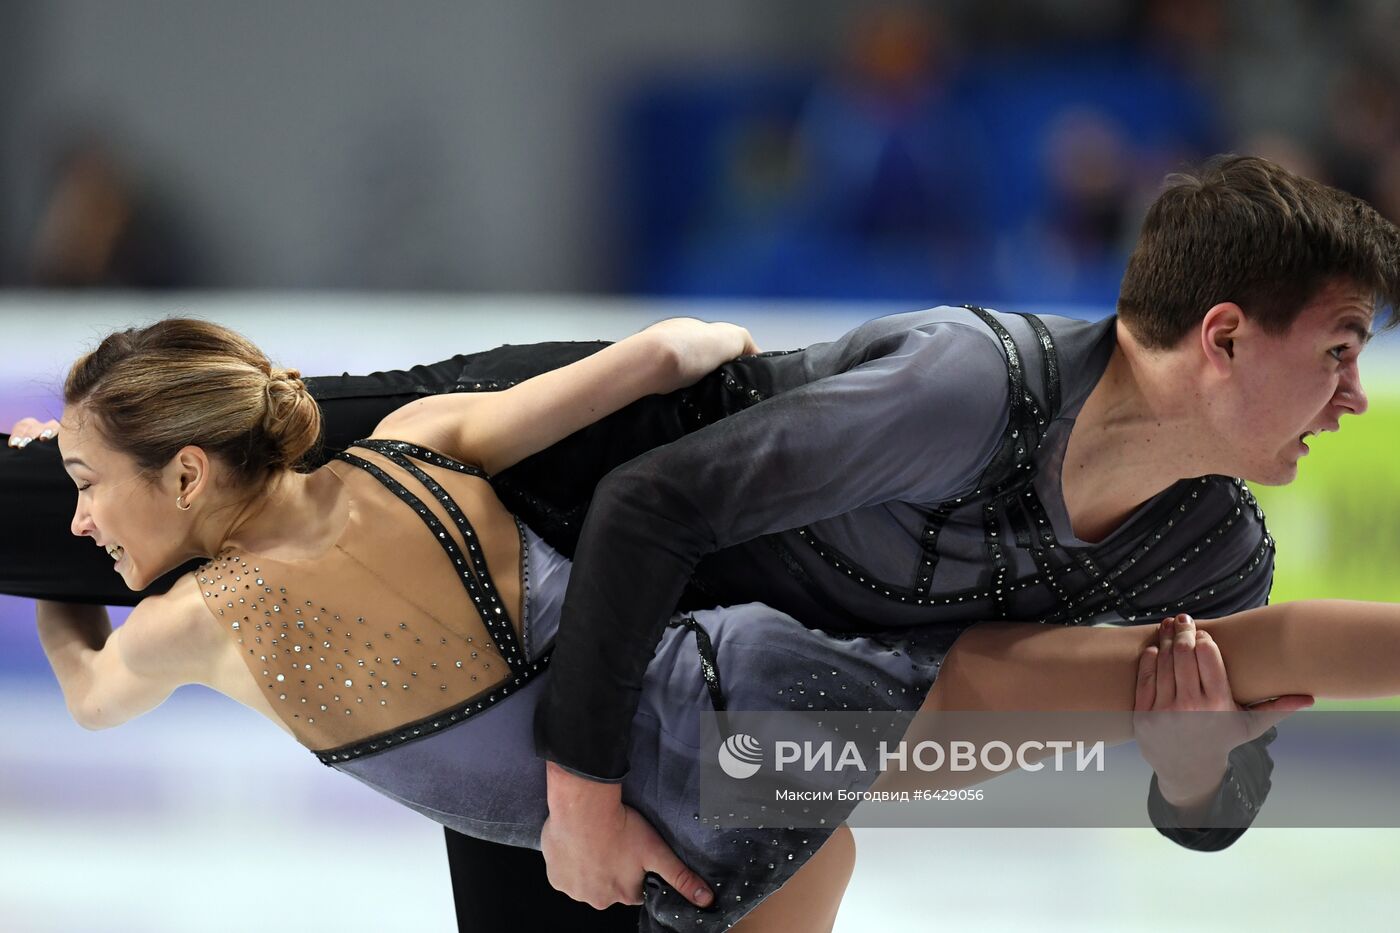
<point x="398" y="658"/>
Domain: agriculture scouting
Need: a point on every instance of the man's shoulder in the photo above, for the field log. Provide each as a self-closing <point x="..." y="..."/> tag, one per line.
<point x="1232" y="498"/>
<point x="919" y="353"/>
<point x="956" y="323"/>
<point x="1234" y="552"/>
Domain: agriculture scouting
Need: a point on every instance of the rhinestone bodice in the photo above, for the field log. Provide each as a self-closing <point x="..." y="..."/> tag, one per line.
<point x="996" y="552"/>
<point x="371" y="643"/>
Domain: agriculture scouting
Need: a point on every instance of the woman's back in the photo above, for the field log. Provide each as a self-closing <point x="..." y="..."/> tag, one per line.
<point x="414" y="615"/>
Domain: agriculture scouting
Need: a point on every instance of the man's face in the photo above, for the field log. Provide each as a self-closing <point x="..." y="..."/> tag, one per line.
<point x="117" y="507"/>
<point x="1299" y="383"/>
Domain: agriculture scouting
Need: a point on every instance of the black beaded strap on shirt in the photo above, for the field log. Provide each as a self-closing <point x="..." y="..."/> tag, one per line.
<point x="1237" y="576"/>
<point x="1033" y="532"/>
<point x="928" y="547"/>
<point x="1228" y="581"/>
<point x="1076" y="611"/>
<point x="428" y="725"/>
<point x="1011" y="456"/>
<point x="1013" y="459"/>
<point x="487" y="602"/>
<point x="483" y="385"/>
<point x="1014" y="371"/>
<point x="1188" y="552"/>
<point x="1100" y="583"/>
<point x="866" y="578"/>
<point x="1050" y="360"/>
<point x="709" y="667"/>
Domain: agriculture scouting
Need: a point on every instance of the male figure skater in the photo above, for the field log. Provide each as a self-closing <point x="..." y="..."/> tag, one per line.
<point x="958" y="465"/>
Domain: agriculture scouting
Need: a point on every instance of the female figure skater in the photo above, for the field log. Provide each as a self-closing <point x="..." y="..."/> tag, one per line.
<point x="391" y="615"/>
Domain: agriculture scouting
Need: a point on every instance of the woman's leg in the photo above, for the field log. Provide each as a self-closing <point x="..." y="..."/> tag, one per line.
<point x="1328" y="648"/>
<point x="810" y="898"/>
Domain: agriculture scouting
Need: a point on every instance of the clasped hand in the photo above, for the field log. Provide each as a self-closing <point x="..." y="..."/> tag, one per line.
<point x="699" y="347"/>
<point x="598" y="850"/>
<point x="31" y="429"/>
<point x="1183" y="670"/>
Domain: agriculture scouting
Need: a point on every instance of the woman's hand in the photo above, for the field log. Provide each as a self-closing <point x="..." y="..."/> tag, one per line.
<point x="1184" y="671"/>
<point x="699" y="347"/>
<point x="29" y="429"/>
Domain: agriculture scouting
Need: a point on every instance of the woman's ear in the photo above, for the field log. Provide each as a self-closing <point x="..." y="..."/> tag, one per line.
<point x="190" y="467"/>
<point x="1219" y="330"/>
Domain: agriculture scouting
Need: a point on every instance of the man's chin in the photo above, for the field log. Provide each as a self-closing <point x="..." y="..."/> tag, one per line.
<point x="1278" y="474"/>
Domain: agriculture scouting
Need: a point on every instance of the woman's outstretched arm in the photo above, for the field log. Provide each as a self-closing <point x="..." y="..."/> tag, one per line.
<point x="1333" y="649"/>
<point x="1323" y="648"/>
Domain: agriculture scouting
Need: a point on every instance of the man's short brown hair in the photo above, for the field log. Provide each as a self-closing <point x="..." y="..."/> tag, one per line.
<point x="1245" y="230"/>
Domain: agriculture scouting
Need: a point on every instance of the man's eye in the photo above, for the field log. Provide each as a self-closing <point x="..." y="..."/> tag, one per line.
<point x="1338" y="351"/>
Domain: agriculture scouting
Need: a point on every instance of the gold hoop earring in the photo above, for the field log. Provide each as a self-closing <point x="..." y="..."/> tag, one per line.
<point x="180" y="502"/>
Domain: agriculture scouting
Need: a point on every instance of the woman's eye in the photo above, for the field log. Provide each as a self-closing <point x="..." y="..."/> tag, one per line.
<point x="88" y="486"/>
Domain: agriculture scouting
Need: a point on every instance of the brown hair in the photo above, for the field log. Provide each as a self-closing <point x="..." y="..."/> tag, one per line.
<point x="1245" y="230"/>
<point x="153" y="390"/>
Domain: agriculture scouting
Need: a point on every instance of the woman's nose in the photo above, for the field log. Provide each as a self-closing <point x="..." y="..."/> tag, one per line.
<point x="82" y="524"/>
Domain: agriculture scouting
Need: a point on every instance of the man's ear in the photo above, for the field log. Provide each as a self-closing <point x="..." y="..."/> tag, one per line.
<point x="1220" y="328"/>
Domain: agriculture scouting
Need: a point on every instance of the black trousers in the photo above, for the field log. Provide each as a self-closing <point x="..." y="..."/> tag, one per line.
<point x="495" y="887"/>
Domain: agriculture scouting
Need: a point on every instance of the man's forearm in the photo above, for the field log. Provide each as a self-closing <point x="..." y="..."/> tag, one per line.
<point x="71" y="634"/>
<point x="591" y="738"/>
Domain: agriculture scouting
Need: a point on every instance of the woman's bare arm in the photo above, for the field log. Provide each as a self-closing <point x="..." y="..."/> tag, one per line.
<point x="110" y="676"/>
<point x="498" y="429"/>
<point x="1327" y="648"/>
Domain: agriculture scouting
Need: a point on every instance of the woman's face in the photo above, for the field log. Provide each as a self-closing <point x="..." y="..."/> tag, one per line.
<point x="135" y="520"/>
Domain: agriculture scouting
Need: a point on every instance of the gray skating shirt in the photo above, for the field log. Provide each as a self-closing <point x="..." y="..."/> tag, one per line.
<point x="907" y="473"/>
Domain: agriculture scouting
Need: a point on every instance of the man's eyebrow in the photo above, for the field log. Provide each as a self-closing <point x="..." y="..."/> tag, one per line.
<point x="1362" y="332"/>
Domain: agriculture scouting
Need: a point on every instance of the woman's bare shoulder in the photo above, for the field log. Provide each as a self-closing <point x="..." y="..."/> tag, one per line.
<point x="437" y="422"/>
<point x="175" y="632"/>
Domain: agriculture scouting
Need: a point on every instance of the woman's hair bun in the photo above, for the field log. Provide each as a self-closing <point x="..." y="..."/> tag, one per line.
<point x="292" y="420"/>
<point x="180" y="381"/>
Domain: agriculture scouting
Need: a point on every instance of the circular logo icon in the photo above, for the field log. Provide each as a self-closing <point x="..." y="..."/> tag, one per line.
<point x="741" y="756"/>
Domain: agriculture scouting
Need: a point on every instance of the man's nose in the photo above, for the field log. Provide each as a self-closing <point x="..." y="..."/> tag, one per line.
<point x="1350" y="394"/>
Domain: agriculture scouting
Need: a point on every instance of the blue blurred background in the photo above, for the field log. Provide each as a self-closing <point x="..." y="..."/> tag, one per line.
<point x="364" y="185"/>
<point x="995" y="150"/>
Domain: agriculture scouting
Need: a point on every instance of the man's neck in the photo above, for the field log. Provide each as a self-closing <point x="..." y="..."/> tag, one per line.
<point x="1139" y="432"/>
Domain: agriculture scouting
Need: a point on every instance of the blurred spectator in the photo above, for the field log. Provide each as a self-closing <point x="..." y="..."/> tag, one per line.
<point x="99" y="230"/>
<point x="1386" y="184"/>
<point x="1189" y="33"/>
<point x="887" y="152"/>
<point x="1364" y="121"/>
<point x="1090" y="176"/>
